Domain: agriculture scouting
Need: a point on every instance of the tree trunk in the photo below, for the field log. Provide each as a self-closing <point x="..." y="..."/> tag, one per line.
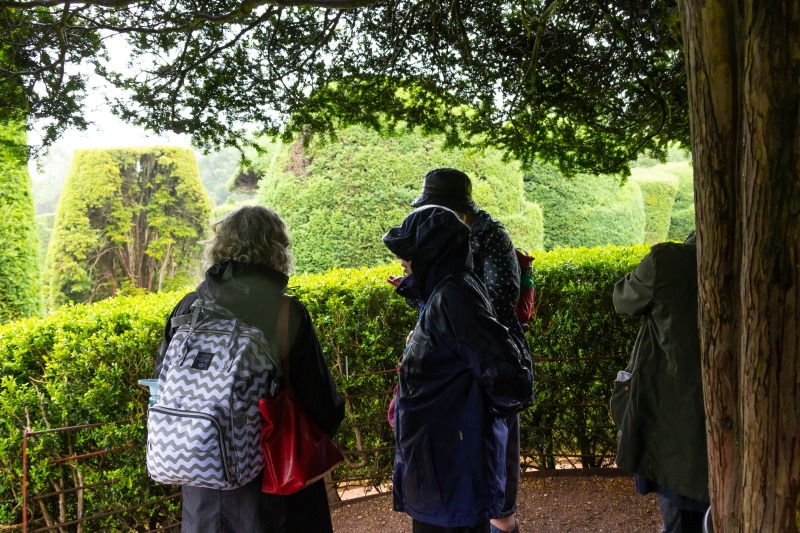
<point x="743" y="72"/>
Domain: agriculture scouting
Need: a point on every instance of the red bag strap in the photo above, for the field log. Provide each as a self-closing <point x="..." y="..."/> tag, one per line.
<point x="282" y="334"/>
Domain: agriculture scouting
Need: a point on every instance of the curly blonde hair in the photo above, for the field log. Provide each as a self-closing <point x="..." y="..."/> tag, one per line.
<point x="251" y="234"/>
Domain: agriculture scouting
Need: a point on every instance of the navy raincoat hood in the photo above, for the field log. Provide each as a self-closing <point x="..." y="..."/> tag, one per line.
<point x="436" y="243"/>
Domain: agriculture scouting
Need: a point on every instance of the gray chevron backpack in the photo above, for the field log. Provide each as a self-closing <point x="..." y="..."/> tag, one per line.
<point x="204" y="430"/>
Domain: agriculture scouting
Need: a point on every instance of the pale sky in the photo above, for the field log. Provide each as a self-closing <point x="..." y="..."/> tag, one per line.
<point x="107" y="130"/>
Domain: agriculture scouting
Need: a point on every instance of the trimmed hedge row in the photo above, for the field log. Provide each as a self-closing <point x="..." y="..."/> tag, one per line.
<point x="80" y="365"/>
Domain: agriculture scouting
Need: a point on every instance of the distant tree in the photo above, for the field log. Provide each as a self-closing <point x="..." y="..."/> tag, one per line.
<point x="339" y="198"/>
<point x="586" y="210"/>
<point x="128" y="218"/>
<point x="20" y="281"/>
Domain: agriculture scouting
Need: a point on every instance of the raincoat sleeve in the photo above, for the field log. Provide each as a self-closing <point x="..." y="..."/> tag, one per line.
<point x="491" y="355"/>
<point x="633" y="294"/>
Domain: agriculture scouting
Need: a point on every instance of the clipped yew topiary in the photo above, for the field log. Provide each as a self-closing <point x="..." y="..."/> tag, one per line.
<point x="128" y="218"/>
<point x="586" y="210"/>
<point x="683" y="217"/>
<point x="339" y="198"/>
<point x="20" y="273"/>
<point x="658" y="193"/>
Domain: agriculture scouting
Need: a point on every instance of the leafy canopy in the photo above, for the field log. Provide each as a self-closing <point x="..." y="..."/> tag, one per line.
<point x="586" y="84"/>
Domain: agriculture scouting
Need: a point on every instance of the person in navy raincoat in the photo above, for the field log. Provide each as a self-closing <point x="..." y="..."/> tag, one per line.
<point x="461" y="374"/>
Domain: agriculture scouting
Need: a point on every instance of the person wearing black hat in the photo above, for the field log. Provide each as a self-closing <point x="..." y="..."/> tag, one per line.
<point x="493" y="252"/>
<point x="461" y="376"/>
<point x="495" y="263"/>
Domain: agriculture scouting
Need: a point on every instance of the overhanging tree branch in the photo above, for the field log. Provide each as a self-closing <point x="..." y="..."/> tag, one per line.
<point x="245" y="7"/>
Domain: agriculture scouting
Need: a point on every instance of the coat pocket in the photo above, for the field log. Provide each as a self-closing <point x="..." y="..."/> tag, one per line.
<point x="620" y="398"/>
<point x="421" y="486"/>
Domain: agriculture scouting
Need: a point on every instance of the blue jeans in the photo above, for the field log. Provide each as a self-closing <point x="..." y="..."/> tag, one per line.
<point x="676" y="520"/>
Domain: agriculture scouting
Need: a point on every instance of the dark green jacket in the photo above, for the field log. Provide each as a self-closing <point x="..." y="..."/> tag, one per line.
<point x="658" y="408"/>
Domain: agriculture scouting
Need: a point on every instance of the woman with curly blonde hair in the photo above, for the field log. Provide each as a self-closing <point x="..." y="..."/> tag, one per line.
<point x="251" y="234"/>
<point x="249" y="259"/>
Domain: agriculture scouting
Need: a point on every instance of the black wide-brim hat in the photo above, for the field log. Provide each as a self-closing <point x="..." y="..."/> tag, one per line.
<point x="447" y="187"/>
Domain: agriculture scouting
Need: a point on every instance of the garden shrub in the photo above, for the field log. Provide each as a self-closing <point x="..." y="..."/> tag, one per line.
<point x="20" y="282"/>
<point x="80" y="365"/>
<point x="339" y="198"/>
<point x="658" y="193"/>
<point x="586" y="210"/>
<point x="128" y="218"/>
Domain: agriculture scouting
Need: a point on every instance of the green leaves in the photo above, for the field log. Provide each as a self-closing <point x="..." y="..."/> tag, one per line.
<point x="584" y="85"/>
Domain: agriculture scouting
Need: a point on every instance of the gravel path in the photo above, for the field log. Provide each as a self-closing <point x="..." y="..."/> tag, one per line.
<point x="561" y="504"/>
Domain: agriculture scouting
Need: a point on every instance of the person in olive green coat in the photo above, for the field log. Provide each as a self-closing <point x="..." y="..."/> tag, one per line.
<point x="657" y="402"/>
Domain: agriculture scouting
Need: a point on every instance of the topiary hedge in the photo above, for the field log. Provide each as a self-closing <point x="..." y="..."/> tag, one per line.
<point x="340" y="197"/>
<point x="80" y="365"/>
<point x="20" y="284"/>
<point x="658" y="193"/>
<point x="128" y="218"/>
<point x="586" y="210"/>
<point x="683" y="216"/>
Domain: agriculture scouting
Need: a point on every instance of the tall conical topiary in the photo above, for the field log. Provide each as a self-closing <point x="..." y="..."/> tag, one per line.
<point x="128" y="218"/>
<point x="20" y="274"/>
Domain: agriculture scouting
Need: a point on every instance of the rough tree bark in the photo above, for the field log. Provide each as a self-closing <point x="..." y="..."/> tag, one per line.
<point x="743" y="70"/>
